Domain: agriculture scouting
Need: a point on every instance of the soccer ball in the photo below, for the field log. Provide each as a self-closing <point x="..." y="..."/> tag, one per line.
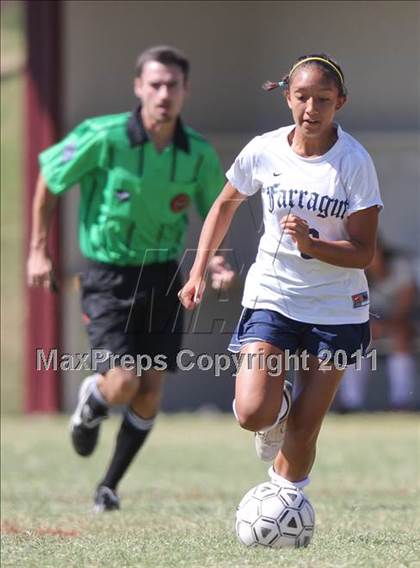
<point x="276" y="516"/>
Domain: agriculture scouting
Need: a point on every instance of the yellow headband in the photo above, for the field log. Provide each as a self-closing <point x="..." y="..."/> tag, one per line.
<point x="318" y="59"/>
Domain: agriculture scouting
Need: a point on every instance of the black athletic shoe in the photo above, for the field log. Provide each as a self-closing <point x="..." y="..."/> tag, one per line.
<point x="84" y="427"/>
<point x="105" y="500"/>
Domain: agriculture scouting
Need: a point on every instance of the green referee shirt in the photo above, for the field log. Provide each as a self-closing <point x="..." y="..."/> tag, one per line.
<point x="134" y="200"/>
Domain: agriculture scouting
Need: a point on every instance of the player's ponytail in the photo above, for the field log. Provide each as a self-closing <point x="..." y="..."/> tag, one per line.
<point x="270" y="85"/>
<point x="330" y="67"/>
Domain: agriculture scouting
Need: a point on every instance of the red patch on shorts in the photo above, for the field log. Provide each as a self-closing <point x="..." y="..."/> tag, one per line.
<point x="180" y="202"/>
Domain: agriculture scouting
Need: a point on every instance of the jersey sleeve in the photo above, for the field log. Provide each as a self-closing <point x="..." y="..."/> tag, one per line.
<point x="210" y="181"/>
<point x="243" y="172"/>
<point x="364" y="187"/>
<point x="79" y="153"/>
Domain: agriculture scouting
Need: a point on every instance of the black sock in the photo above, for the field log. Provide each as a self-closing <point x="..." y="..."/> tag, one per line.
<point x="129" y="441"/>
<point x="96" y="407"/>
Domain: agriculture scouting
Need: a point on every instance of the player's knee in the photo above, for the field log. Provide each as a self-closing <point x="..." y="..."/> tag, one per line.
<point x="123" y="386"/>
<point x="252" y="419"/>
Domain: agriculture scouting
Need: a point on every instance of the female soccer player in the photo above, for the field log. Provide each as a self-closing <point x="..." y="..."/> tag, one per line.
<point x="306" y="291"/>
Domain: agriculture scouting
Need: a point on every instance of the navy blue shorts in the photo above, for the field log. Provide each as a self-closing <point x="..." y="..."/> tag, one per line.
<point x="291" y="335"/>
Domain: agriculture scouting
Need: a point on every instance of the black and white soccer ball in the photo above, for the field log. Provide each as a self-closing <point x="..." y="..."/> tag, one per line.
<point x="276" y="516"/>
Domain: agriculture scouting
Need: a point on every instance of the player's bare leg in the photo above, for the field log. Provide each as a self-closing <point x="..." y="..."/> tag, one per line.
<point x="146" y="402"/>
<point x="263" y="400"/>
<point x="118" y="386"/>
<point x="318" y="388"/>
<point x="258" y="395"/>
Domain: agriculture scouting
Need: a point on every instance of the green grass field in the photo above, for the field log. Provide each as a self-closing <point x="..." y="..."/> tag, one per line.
<point x="179" y="498"/>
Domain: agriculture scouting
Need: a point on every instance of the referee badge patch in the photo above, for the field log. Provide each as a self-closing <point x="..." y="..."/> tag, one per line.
<point x="180" y="202"/>
<point x="360" y="299"/>
<point x="69" y="152"/>
<point x="122" y="195"/>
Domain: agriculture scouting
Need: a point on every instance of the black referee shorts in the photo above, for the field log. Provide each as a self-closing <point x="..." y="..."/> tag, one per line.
<point x="132" y="310"/>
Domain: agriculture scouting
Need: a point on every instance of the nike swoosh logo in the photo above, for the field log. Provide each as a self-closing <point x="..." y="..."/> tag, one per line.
<point x="325" y="334"/>
<point x="275" y="174"/>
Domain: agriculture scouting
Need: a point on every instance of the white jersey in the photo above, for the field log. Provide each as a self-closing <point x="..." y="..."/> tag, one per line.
<point x="324" y="190"/>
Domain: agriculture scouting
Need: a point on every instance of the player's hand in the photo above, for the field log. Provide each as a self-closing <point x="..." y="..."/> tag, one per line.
<point x="40" y="272"/>
<point x="298" y="229"/>
<point x="191" y="294"/>
<point x="221" y="273"/>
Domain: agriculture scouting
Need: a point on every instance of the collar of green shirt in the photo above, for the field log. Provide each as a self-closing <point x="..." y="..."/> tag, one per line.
<point x="137" y="133"/>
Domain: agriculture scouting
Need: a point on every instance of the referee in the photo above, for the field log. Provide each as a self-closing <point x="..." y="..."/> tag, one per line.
<point x="138" y="173"/>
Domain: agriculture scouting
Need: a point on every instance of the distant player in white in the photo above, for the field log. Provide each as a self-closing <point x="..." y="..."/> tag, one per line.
<point x="306" y="291"/>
